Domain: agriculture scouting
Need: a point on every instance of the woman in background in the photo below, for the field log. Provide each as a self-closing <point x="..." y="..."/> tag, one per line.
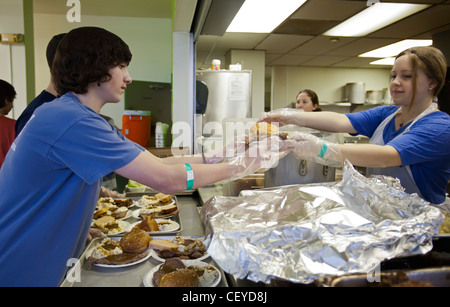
<point x="308" y="101"/>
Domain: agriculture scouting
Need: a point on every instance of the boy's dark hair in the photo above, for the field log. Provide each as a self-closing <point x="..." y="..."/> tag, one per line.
<point x="52" y="46"/>
<point x="85" y="55"/>
<point x="7" y="93"/>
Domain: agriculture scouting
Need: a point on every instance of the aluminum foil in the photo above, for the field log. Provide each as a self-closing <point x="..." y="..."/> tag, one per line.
<point x="302" y="233"/>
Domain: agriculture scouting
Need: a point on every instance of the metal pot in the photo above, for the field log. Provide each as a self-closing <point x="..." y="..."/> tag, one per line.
<point x="374" y="97"/>
<point x="291" y="170"/>
<point x="355" y="92"/>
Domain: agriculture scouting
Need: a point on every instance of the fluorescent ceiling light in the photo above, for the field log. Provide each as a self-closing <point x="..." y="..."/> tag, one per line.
<point x="393" y="49"/>
<point x="263" y="16"/>
<point x="374" y="17"/>
<point x="385" y="61"/>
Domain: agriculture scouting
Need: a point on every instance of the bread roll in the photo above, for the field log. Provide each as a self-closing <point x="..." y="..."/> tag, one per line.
<point x="179" y="278"/>
<point x="262" y="130"/>
<point x="136" y="241"/>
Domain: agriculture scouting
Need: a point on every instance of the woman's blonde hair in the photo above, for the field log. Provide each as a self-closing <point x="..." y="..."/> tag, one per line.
<point x="431" y="61"/>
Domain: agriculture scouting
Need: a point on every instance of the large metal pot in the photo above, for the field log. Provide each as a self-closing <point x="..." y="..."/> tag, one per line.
<point x="355" y="92"/>
<point x="374" y="97"/>
<point x="291" y="170"/>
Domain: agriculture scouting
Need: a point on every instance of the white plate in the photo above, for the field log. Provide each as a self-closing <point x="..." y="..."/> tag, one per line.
<point x="169" y="226"/>
<point x="137" y="212"/>
<point x="124" y="225"/>
<point x="158" y="204"/>
<point x="91" y="249"/>
<point x="113" y="266"/>
<point x="213" y="281"/>
<point x="156" y="257"/>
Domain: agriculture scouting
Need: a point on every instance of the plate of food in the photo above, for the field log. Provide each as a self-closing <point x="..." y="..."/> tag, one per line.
<point x="111" y="226"/>
<point x="157" y="226"/>
<point x="131" y="249"/>
<point x="182" y="273"/>
<point x="160" y="211"/>
<point x="181" y="247"/>
<point x="152" y="201"/>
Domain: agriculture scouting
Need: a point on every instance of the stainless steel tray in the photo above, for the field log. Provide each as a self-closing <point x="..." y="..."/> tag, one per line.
<point x="437" y="277"/>
<point x="130" y="276"/>
<point x="132" y="220"/>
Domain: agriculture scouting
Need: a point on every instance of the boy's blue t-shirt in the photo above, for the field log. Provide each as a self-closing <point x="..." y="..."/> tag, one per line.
<point x="425" y="147"/>
<point x="51" y="180"/>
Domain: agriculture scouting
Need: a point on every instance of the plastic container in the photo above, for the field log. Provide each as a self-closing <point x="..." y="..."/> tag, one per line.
<point x="161" y="134"/>
<point x="136" y="126"/>
<point x="215" y="65"/>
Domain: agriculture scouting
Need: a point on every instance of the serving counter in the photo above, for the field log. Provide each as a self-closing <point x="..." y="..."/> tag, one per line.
<point x="133" y="276"/>
<point x="435" y="263"/>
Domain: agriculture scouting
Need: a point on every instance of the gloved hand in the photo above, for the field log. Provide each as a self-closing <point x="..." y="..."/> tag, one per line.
<point x="261" y="155"/>
<point x="233" y="148"/>
<point x="306" y="145"/>
<point x="284" y="116"/>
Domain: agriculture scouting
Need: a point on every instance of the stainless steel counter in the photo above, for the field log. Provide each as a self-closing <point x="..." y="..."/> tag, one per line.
<point x="132" y="276"/>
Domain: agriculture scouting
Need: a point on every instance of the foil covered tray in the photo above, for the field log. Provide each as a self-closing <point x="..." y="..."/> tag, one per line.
<point x="302" y="233"/>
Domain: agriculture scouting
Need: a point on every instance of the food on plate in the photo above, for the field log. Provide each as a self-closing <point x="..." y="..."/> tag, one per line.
<point x="147" y="201"/>
<point x="136" y="241"/>
<point x="119" y="259"/>
<point x="163" y="197"/>
<point x="159" y="211"/>
<point x="123" y="202"/>
<point x="163" y="244"/>
<point x="109" y="225"/>
<point x="111" y="252"/>
<point x="184" y="248"/>
<point x="107" y="247"/>
<point x="148" y="224"/>
<point x="179" y="278"/>
<point x="175" y="273"/>
<point x="119" y="202"/>
<point x="112" y="210"/>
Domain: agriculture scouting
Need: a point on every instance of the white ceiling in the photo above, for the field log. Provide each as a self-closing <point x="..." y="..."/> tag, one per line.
<point x="297" y="41"/>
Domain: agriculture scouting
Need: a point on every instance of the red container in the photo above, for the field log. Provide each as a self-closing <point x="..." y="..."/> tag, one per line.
<point x="136" y="126"/>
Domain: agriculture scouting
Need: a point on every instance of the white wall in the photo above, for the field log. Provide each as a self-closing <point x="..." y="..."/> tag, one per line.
<point x="326" y="82"/>
<point x="150" y="41"/>
<point x="12" y="57"/>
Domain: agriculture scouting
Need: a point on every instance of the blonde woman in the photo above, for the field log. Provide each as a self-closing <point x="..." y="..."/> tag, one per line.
<point x="410" y="140"/>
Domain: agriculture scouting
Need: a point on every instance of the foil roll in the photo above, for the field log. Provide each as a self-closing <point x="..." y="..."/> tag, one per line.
<point x="302" y="233"/>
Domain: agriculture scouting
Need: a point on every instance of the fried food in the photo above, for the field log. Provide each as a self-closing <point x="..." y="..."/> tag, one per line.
<point x="179" y="278"/>
<point x="136" y="241"/>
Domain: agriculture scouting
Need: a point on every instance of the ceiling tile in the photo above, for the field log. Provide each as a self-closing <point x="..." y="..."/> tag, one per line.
<point x="290" y="60"/>
<point x="329" y="10"/>
<point x="361" y="45"/>
<point x="240" y="40"/>
<point x="324" y="61"/>
<point x="321" y="45"/>
<point x="425" y="21"/>
<point x="281" y="43"/>
<point x="305" y="26"/>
